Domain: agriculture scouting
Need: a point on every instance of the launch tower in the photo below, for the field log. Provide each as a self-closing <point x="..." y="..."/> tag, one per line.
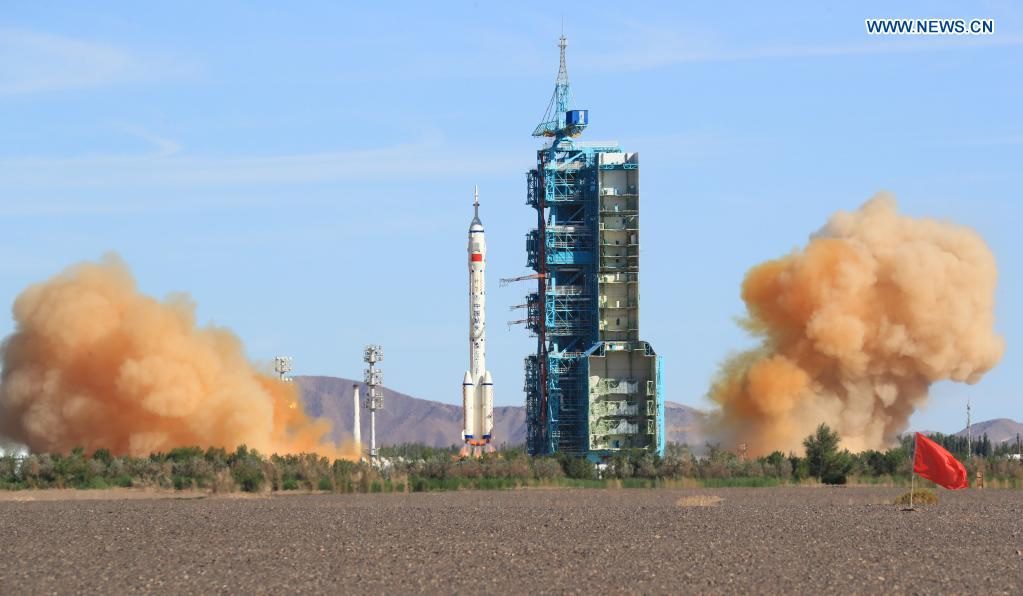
<point x="593" y="387"/>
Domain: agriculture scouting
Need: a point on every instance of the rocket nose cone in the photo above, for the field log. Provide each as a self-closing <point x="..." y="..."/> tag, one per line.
<point x="487" y="378"/>
<point x="467" y="378"/>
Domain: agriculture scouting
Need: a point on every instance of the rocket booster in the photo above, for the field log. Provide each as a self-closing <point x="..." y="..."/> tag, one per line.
<point x="477" y="385"/>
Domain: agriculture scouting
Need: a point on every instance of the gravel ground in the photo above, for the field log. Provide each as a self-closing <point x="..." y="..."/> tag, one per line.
<point x="775" y="540"/>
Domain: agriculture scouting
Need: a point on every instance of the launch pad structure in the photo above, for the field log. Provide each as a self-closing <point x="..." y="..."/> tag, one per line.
<point x="593" y="387"/>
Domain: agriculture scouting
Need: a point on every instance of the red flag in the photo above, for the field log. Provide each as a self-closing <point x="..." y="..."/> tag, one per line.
<point x="936" y="464"/>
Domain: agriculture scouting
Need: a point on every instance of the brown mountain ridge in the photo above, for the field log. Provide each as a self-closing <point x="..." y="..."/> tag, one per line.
<point x="407" y="419"/>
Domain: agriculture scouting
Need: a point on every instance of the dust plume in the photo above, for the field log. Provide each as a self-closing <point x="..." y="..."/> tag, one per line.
<point x="855" y="328"/>
<point x="96" y="364"/>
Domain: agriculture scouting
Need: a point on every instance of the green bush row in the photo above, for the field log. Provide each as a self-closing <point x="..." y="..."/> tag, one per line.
<point x="417" y="468"/>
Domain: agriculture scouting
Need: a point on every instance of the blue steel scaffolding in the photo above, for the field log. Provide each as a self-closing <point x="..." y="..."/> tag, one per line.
<point x="592" y="387"/>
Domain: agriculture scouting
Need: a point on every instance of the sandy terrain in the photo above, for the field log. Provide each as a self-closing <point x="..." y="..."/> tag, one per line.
<point x="805" y="540"/>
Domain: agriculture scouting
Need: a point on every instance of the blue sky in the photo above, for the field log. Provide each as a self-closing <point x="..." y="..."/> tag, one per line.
<point x="306" y="173"/>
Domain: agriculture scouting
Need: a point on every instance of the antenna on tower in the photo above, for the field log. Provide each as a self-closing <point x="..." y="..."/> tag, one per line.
<point x="554" y="121"/>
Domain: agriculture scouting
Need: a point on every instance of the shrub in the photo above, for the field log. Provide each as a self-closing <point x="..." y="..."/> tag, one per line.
<point x="247" y="469"/>
<point x="547" y="468"/>
<point x="519" y="468"/>
<point x="184" y="454"/>
<point x="103" y="455"/>
<point x="798" y="467"/>
<point x="73" y="470"/>
<point x="9" y="469"/>
<point x="189" y="469"/>
<point x="647" y="465"/>
<point x="775" y="465"/>
<point x="467" y="468"/>
<point x="921" y="496"/>
<point x="216" y="456"/>
<point x="97" y="483"/>
<point x="578" y="468"/>
<point x="619" y="467"/>
<point x="756" y="482"/>
<point x="823" y="457"/>
<point x="223" y="482"/>
<point x="436" y="468"/>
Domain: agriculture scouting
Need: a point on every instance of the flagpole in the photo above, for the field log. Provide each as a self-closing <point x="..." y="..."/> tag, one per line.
<point x="912" y="487"/>
<point x="912" y="473"/>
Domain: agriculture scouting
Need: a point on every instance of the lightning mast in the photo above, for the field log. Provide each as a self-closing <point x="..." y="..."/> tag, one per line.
<point x="356" y="422"/>
<point x="554" y="118"/>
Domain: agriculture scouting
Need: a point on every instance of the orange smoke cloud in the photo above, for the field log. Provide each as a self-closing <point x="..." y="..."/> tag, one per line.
<point x="856" y="327"/>
<point x="96" y="364"/>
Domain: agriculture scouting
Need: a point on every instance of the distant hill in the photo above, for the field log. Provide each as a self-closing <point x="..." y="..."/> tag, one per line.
<point x="683" y="424"/>
<point x="407" y="419"/>
<point x="998" y="430"/>
<point x="404" y="419"/>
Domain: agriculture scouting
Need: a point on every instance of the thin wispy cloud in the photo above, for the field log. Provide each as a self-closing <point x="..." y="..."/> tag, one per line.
<point x="646" y="47"/>
<point x="163" y="170"/>
<point x="640" y="45"/>
<point x="163" y="147"/>
<point x="33" y="62"/>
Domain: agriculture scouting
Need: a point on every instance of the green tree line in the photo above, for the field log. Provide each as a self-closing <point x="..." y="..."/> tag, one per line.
<point x="413" y="467"/>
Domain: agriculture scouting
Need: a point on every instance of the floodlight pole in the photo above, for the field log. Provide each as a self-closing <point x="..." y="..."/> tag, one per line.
<point x="282" y="366"/>
<point x="375" y="400"/>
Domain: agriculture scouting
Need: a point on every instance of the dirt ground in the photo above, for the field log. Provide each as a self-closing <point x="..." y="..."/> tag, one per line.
<point x="773" y="540"/>
<point x="108" y="494"/>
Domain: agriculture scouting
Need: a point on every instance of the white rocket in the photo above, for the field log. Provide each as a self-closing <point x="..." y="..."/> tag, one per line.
<point x="478" y="386"/>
